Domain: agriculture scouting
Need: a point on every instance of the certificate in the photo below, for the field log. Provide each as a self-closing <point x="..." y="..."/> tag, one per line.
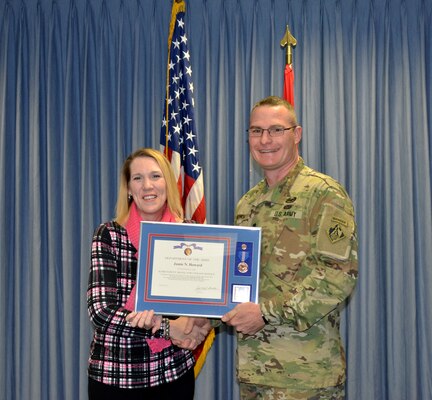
<point x="197" y="270"/>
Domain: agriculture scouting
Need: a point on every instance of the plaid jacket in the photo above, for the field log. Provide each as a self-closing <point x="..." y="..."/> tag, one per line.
<point x="119" y="354"/>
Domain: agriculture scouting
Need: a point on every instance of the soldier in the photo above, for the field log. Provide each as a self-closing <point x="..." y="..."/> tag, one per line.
<point x="289" y="346"/>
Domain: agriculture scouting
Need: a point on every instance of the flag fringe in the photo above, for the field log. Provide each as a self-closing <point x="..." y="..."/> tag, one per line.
<point x="201" y="357"/>
<point x="177" y="7"/>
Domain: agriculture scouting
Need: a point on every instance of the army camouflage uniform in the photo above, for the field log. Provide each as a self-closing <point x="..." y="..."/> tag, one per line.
<point x="256" y="392"/>
<point x="308" y="270"/>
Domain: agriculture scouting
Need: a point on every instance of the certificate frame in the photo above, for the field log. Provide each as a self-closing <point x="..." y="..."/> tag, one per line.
<point x="197" y="269"/>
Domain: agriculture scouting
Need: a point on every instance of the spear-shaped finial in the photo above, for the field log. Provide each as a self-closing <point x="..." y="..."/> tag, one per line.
<point x="288" y="41"/>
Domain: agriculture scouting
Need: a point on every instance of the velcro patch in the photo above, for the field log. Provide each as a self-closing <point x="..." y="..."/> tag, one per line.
<point x="335" y="232"/>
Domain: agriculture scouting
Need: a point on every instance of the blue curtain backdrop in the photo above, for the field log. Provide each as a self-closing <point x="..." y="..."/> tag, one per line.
<point x="82" y="85"/>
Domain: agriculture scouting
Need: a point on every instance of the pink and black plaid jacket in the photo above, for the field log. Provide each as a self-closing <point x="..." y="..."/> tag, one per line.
<point x="119" y="354"/>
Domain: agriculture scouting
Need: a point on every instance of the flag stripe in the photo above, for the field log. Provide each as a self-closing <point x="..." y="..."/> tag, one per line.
<point x="195" y="195"/>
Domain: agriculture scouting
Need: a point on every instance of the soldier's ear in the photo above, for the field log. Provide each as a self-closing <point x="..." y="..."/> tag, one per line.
<point x="298" y="131"/>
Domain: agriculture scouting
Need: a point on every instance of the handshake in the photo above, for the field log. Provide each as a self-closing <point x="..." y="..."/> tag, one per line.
<point x="185" y="332"/>
<point x="189" y="332"/>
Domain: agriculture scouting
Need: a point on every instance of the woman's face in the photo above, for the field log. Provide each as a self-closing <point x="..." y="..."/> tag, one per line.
<point x="148" y="188"/>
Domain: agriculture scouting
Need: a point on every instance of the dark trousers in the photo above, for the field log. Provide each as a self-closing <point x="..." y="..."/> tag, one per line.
<point x="181" y="389"/>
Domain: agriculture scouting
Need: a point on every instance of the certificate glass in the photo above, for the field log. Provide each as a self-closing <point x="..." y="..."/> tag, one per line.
<point x="197" y="270"/>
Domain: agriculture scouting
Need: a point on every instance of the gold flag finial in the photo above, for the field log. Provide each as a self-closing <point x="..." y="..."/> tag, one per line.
<point x="288" y="41"/>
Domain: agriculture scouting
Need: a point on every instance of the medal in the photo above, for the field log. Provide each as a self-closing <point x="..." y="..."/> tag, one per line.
<point x="243" y="267"/>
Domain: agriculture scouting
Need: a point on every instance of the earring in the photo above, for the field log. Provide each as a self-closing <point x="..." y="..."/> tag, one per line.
<point x="130" y="197"/>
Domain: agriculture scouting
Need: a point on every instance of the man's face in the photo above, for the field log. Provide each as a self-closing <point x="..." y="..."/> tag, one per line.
<point x="275" y="154"/>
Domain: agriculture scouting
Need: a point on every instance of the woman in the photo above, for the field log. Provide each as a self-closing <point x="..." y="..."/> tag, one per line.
<point x="132" y="355"/>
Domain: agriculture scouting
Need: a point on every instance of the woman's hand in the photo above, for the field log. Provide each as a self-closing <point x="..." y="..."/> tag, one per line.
<point x="145" y="319"/>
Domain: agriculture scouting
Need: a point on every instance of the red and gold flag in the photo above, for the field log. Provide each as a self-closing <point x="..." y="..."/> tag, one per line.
<point x="288" y="92"/>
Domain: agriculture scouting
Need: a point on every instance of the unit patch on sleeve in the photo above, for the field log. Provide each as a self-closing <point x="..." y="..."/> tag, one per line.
<point x="334" y="233"/>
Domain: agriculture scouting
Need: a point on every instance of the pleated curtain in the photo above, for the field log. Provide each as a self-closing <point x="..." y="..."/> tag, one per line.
<point x="82" y="85"/>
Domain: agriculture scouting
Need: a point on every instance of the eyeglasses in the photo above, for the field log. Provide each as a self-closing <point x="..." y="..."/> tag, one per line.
<point x="273" y="131"/>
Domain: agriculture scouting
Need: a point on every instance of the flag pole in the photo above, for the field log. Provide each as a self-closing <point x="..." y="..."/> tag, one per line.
<point x="288" y="41"/>
<point x="178" y="136"/>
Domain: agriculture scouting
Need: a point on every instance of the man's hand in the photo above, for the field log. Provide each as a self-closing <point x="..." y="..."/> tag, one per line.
<point x="193" y="321"/>
<point x="245" y="318"/>
<point x="195" y="336"/>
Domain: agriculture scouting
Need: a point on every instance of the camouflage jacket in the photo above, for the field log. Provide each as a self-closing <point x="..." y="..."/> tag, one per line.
<point x="308" y="270"/>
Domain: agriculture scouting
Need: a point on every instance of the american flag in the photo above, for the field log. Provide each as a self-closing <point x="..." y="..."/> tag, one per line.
<point x="178" y="137"/>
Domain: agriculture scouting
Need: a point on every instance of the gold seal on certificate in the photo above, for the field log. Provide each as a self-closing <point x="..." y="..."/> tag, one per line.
<point x="243" y="267"/>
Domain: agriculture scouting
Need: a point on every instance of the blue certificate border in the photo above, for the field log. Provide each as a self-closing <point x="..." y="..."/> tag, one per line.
<point x="240" y="266"/>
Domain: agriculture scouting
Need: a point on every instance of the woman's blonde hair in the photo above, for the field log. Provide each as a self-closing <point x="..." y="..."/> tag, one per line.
<point x="173" y="196"/>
